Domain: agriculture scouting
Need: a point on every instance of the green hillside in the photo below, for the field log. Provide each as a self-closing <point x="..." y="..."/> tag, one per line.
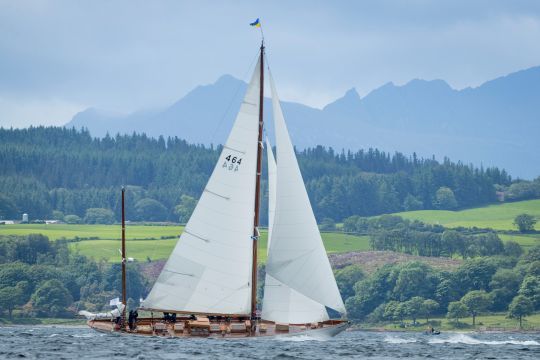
<point x="148" y="241"/>
<point x="498" y="217"/>
<point x="160" y="249"/>
<point x="157" y="242"/>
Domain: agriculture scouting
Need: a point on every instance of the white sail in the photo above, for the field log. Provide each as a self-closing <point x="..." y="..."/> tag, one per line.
<point x="281" y="303"/>
<point x="209" y="270"/>
<point x="297" y="257"/>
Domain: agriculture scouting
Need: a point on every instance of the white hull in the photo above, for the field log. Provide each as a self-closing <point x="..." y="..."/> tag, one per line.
<point x="324" y="332"/>
<point x="319" y="334"/>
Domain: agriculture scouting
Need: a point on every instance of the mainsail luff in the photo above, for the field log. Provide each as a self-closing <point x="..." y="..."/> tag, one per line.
<point x="210" y="269"/>
<point x="297" y="257"/>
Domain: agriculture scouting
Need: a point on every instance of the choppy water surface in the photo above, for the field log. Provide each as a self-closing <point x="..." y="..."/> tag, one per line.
<point x="82" y="343"/>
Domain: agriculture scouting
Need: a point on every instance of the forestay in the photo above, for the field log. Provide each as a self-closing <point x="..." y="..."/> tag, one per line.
<point x="281" y="303"/>
<point x="209" y="270"/>
<point x="297" y="257"/>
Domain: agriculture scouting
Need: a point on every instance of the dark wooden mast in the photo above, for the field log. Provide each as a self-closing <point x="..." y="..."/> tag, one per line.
<point x="123" y="258"/>
<point x="257" y="193"/>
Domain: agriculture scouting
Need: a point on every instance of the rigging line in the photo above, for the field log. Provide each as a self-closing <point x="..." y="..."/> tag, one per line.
<point x="227" y="111"/>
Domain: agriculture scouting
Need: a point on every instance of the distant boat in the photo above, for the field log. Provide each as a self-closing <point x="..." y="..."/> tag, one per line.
<point x="208" y="287"/>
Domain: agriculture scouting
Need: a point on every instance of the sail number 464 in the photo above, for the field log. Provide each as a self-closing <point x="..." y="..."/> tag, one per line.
<point x="231" y="163"/>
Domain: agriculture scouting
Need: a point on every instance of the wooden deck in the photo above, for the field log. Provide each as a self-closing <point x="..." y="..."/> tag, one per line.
<point x="203" y="327"/>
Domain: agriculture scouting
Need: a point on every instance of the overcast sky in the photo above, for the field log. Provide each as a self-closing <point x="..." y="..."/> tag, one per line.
<point x="60" y="57"/>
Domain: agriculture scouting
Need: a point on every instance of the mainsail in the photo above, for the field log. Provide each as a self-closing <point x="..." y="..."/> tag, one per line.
<point x="209" y="270"/>
<point x="297" y="257"/>
<point x="281" y="303"/>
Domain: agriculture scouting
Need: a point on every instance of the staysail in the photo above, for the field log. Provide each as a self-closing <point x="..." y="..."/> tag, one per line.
<point x="297" y="257"/>
<point x="281" y="303"/>
<point x="209" y="270"/>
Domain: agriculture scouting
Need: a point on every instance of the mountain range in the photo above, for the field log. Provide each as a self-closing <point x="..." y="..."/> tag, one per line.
<point x="494" y="124"/>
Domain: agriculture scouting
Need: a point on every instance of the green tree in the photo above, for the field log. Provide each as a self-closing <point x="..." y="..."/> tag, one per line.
<point x="454" y="242"/>
<point x="474" y="274"/>
<point x="72" y="219"/>
<point x="8" y="209"/>
<point x="512" y="248"/>
<point x="13" y="296"/>
<point x="445" y="199"/>
<point x="58" y="215"/>
<point x="519" y="308"/>
<point x="414" y="279"/>
<point x="185" y="208"/>
<point x="525" y="222"/>
<point x="52" y="298"/>
<point x="412" y="203"/>
<point x="414" y="308"/>
<point x="99" y="216"/>
<point x="456" y="311"/>
<point x="395" y="310"/>
<point x="476" y="301"/>
<point x="327" y="224"/>
<point x="346" y="278"/>
<point x="150" y="210"/>
<point x="530" y="288"/>
<point x="13" y="273"/>
<point x="505" y="285"/>
<point x="429" y="306"/>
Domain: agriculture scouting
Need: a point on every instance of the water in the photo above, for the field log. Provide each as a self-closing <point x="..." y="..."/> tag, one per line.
<point x="82" y="343"/>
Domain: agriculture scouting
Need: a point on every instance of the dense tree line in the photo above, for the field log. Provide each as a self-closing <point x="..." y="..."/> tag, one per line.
<point x="393" y="233"/>
<point x="46" y="169"/>
<point x="42" y="278"/>
<point x="414" y="289"/>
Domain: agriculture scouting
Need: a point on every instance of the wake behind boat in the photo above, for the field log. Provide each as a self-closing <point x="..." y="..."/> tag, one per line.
<point x="208" y="287"/>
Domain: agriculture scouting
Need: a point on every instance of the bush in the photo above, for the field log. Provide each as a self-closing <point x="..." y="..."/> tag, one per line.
<point x="72" y="219"/>
<point x="150" y="210"/>
<point x="58" y="215"/>
<point x="99" y="216"/>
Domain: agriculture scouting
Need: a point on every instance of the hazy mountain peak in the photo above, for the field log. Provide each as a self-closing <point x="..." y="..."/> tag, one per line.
<point x="351" y="98"/>
<point x="431" y="84"/>
<point x="228" y="79"/>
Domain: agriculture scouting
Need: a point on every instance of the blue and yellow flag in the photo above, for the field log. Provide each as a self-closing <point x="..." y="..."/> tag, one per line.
<point x="256" y="23"/>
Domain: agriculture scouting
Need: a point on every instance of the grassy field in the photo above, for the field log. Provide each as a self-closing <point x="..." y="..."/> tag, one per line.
<point x="526" y="241"/>
<point x="104" y="232"/>
<point x="160" y="249"/>
<point x="40" y="321"/>
<point x="493" y="322"/>
<point x="146" y="241"/>
<point x="498" y="217"/>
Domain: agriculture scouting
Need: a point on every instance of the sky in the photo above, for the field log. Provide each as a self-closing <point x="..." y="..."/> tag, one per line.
<point x="60" y="57"/>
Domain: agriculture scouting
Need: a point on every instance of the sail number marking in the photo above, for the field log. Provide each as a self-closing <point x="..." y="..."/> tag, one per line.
<point x="231" y="162"/>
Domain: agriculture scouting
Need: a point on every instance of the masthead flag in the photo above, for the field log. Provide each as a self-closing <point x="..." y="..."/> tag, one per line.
<point x="256" y="23"/>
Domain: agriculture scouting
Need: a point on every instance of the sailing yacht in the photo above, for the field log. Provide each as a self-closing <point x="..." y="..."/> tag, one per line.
<point x="208" y="286"/>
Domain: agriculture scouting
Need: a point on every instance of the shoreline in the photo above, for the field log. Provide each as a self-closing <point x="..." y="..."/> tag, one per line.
<point x="457" y="331"/>
<point x="81" y="323"/>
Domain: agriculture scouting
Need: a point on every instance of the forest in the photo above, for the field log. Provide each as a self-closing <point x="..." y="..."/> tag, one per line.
<point x="502" y="283"/>
<point x="55" y="172"/>
<point x="42" y="278"/>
